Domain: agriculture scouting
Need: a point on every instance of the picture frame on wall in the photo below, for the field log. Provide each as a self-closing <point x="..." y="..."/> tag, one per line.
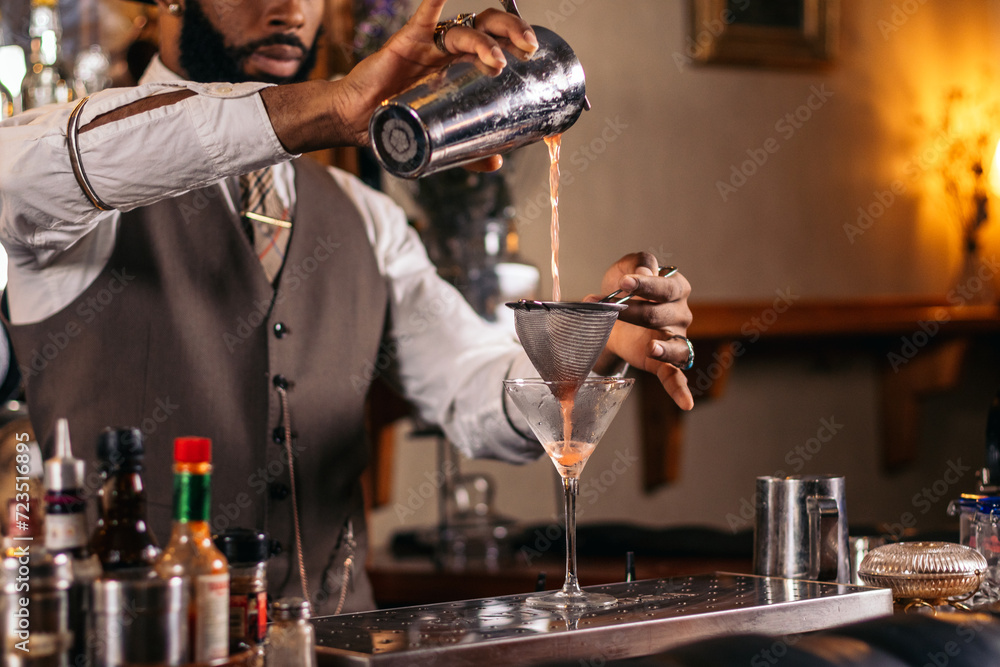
<point x="765" y="33"/>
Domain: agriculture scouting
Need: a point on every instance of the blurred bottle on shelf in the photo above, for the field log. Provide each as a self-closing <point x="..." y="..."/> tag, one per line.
<point x="47" y="82"/>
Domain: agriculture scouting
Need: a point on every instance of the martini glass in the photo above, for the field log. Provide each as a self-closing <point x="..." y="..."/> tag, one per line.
<point x="569" y="418"/>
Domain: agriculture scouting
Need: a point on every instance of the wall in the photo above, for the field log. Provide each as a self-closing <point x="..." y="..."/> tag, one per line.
<point x="661" y="136"/>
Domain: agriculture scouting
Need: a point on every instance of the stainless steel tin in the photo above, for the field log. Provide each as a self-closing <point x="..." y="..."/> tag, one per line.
<point x="140" y="622"/>
<point x="800" y="530"/>
<point x="461" y="114"/>
<point x="36" y="609"/>
<point x="651" y="616"/>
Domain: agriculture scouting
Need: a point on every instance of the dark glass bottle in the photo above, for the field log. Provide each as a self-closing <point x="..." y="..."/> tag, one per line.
<point x="123" y="540"/>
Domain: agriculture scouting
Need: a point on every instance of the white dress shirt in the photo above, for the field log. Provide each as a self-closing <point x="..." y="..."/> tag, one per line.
<point x="446" y="359"/>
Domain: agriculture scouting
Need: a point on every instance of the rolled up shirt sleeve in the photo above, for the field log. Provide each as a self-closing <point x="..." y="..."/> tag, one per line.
<point x="221" y="131"/>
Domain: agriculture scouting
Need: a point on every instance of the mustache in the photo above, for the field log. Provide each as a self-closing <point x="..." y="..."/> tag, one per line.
<point x="246" y="50"/>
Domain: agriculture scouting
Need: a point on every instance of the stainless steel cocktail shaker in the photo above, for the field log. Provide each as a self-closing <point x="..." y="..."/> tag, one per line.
<point x="461" y="114"/>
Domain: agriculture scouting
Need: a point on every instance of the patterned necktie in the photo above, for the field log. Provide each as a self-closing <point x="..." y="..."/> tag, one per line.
<point x="265" y="219"/>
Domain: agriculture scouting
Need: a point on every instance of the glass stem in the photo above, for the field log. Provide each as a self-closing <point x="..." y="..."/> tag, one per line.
<point x="571" y="486"/>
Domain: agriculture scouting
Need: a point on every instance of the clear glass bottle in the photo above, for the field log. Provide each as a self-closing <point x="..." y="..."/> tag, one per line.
<point x="122" y="538"/>
<point x="191" y="553"/>
<point x="987" y="537"/>
<point x="46" y="83"/>
<point x="291" y="639"/>
<point x="247" y="552"/>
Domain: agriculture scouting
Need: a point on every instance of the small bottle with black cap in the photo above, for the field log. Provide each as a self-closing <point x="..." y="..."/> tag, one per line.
<point x="122" y="539"/>
<point x="247" y="552"/>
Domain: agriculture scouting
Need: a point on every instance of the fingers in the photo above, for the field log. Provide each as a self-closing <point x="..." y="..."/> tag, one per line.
<point x="659" y="302"/>
<point x="672" y="351"/>
<point x="428" y="13"/>
<point x="490" y="25"/>
<point x="514" y="28"/>
<point x="673" y="316"/>
<point x="676" y="385"/>
<point x="461" y="40"/>
<point x="656" y="288"/>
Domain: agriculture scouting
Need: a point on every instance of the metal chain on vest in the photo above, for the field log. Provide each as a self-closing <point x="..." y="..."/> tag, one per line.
<point x="348" y="567"/>
<point x="287" y="418"/>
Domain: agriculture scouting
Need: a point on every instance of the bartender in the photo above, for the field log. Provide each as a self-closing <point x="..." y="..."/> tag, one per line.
<point x="141" y="291"/>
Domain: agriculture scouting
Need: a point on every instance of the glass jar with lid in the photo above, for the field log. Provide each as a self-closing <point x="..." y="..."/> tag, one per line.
<point x="291" y="639"/>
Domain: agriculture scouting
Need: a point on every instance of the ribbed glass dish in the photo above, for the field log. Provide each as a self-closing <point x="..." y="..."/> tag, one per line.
<point x="924" y="570"/>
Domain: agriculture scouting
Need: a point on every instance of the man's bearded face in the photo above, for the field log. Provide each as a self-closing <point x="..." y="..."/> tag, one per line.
<point x="276" y="58"/>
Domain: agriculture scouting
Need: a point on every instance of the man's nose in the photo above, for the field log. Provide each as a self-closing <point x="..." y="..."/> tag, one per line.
<point x="287" y="14"/>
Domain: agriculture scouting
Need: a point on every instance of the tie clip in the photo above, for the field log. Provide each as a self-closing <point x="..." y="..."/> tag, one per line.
<point x="267" y="219"/>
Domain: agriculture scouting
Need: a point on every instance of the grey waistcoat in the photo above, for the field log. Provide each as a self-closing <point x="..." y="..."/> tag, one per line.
<point x="182" y="334"/>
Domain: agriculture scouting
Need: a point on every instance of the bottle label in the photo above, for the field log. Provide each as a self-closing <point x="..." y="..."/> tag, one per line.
<point x="65" y="531"/>
<point x="192" y="497"/>
<point x="248" y="616"/>
<point x="211" y="624"/>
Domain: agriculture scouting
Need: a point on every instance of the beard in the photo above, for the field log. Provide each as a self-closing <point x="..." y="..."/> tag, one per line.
<point x="206" y="58"/>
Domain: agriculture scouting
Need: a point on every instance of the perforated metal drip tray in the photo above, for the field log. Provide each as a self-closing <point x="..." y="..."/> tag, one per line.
<point x="651" y="616"/>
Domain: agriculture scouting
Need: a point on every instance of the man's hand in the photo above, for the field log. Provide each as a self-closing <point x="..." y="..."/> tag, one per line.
<point x="322" y="114"/>
<point x="411" y="54"/>
<point x="657" y="310"/>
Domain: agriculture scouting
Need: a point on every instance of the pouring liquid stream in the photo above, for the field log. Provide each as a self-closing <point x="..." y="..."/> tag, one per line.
<point x="568" y="456"/>
<point x="554" y="143"/>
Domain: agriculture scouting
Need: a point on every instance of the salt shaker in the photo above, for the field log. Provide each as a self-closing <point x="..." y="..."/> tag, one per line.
<point x="291" y="639"/>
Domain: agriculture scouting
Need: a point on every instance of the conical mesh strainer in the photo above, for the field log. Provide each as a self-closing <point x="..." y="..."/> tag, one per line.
<point x="564" y="339"/>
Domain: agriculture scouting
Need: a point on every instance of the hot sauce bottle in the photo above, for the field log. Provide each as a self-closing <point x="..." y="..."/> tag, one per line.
<point x="191" y="552"/>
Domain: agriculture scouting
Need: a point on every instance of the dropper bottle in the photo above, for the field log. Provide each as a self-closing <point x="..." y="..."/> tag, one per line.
<point x="66" y="530"/>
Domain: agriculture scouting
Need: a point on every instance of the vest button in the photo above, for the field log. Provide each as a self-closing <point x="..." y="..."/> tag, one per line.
<point x="281" y="330"/>
<point x="278" y="435"/>
<point x="274" y="547"/>
<point x="278" y="490"/>
<point x="280" y="382"/>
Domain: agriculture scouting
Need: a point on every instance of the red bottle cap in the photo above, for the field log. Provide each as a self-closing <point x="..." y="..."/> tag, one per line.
<point x="193" y="449"/>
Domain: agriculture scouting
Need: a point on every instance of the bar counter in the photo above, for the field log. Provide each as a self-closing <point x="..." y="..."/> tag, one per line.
<point x="650" y="617"/>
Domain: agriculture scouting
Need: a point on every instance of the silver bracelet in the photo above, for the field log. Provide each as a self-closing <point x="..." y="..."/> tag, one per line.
<point x="73" y="141"/>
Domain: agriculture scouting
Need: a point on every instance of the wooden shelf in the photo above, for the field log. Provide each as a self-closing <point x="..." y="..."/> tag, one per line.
<point x="938" y="333"/>
<point x="825" y="319"/>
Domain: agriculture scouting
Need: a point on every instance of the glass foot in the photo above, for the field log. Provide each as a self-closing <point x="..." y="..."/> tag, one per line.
<point x="572" y="600"/>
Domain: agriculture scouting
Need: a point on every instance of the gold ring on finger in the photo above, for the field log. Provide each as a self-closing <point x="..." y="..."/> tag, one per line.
<point x="466" y="20"/>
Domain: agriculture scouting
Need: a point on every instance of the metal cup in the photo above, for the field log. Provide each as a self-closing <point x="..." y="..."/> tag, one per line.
<point x="461" y="114"/>
<point x="801" y="528"/>
<point x="36" y="610"/>
<point x="141" y="621"/>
